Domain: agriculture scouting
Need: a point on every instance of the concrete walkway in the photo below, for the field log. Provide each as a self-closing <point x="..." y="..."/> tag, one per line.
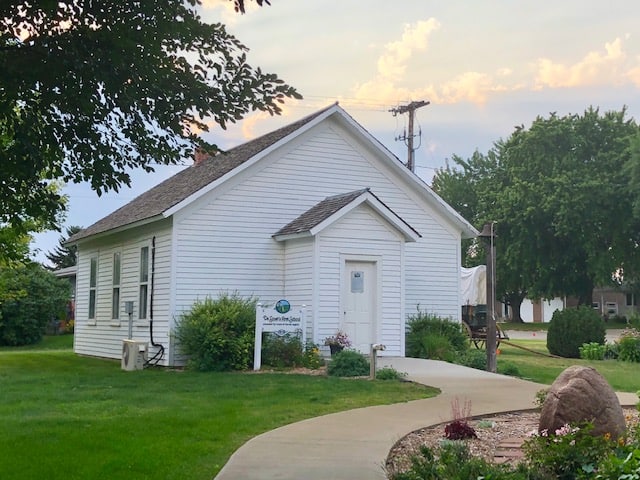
<point x="354" y="444"/>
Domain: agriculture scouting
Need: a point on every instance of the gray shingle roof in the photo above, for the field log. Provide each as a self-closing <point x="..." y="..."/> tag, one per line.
<point x="188" y="181"/>
<point x="319" y="213"/>
<point x="327" y="207"/>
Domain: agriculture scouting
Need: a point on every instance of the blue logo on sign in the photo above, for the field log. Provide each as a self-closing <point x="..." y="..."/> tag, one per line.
<point x="283" y="306"/>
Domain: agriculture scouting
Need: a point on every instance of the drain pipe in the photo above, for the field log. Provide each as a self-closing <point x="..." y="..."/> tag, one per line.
<point x="160" y="353"/>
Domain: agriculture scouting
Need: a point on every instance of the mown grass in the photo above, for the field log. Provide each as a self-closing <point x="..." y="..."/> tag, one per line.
<point x="53" y="342"/>
<point x="622" y="376"/>
<point x="68" y="417"/>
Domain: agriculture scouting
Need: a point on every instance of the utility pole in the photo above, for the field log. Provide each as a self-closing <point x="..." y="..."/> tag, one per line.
<point x="488" y="234"/>
<point x="408" y="139"/>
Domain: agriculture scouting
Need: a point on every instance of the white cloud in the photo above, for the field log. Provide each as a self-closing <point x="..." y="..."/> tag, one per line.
<point x="596" y="68"/>
<point x="386" y="86"/>
<point x="634" y="74"/>
<point x="393" y="62"/>
<point x="469" y="86"/>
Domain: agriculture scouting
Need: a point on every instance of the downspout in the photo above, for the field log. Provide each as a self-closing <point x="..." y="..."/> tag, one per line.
<point x="160" y="353"/>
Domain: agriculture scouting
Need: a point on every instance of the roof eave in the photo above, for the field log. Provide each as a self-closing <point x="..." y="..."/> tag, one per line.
<point x="408" y="233"/>
<point x="113" y="231"/>
<point x="292" y="236"/>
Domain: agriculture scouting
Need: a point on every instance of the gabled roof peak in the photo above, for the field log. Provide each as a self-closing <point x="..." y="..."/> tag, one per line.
<point x="187" y="182"/>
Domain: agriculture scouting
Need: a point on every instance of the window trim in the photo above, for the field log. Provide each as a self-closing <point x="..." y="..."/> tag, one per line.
<point x="92" y="300"/>
<point x="115" y="287"/>
<point x="143" y="283"/>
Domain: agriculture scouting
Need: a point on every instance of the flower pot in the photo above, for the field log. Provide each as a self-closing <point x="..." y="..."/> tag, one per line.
<point x="335" y="349"/>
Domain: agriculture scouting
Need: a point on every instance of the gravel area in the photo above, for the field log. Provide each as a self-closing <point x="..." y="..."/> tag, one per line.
<point x="491" y="431"/>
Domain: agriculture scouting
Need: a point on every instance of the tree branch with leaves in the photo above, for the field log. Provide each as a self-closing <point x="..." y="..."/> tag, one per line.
<point x="90" y="90"/>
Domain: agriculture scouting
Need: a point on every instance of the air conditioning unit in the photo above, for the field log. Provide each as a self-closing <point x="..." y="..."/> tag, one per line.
<point x="134" y="354"/>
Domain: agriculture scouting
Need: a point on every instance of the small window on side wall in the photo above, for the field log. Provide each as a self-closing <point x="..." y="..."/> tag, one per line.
<point x="143" y="283"/>
<point x="115" y="297"/>
<point x="93" y="285"/>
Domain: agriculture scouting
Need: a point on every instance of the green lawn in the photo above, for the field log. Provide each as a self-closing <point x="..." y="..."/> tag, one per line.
<point x="622" y="376"/>
<point x="68" y="417"/>
<point x="55" y="342"/>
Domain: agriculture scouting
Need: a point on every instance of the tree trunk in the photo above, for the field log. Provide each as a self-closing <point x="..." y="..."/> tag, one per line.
<point x="514" y="300"/>
<point x="516" y="316"/>
<point x="585" y="297"/>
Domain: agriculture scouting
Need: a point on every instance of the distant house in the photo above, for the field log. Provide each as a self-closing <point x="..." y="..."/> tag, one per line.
<point x="317" y="212"/>
<point x="612" y="302"/>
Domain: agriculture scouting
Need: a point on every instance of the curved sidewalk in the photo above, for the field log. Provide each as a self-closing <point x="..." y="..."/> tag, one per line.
<point x="354" y="444"/>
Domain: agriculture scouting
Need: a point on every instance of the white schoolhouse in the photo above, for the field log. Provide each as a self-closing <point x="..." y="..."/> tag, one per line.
<point x="317" y="212"/>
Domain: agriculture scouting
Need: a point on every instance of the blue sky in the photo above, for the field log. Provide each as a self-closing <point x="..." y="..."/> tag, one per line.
<point x="485" y="66"/>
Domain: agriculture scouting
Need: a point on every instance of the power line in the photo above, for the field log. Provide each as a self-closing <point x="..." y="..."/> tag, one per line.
<point x="408" y="138"/>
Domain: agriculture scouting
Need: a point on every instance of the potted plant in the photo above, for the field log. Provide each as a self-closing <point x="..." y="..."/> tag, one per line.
<point x="337" y="342"/>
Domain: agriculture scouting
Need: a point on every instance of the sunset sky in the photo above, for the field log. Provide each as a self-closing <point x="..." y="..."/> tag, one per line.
<point x="485" y="66"/>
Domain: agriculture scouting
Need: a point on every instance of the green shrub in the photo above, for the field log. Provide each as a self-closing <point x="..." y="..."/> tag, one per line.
<point x="422" y="326"/>
<point x="348" y="363"/>
<point x="592" y="351"/>
<point x="453" y="461"/>
<point x="571" y="452"/>
<point x="30" y="298"/>
<point x="437" y="347"/>
<point x="473" y="358"/>
<point x="634" y="320"/>
<point x="573" y="327"/>
<point x="389" y="373"/>
<point x="282" y="351"/>
<point x="612" y="351"/>
<point x="218" y="334"/>
<point x="311" y="357"/>
<point x="629" y="345"/>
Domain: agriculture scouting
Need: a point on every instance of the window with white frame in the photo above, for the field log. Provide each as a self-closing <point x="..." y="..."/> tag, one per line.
<point x="93" y="285"/>
<point x="144" y="283"/>
<point x="115" y="297"/>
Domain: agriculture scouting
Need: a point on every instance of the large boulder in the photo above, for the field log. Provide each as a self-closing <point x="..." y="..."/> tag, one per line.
<point x="578" y="395"/>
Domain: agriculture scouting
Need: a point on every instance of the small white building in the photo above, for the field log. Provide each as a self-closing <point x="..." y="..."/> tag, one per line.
<point x="317" y="212"/>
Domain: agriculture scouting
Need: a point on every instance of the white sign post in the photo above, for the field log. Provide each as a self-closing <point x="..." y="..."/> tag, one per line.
<point x="279" y="319"/>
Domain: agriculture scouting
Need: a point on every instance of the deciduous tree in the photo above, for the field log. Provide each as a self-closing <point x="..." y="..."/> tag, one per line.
<point x="559" y="192"/>
<point x="30" y="298"/>
<point x="90" y="90"/>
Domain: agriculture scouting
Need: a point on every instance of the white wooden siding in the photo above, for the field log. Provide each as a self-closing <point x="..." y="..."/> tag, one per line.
<point x="224" y="239"/>
<point x="105" y="337"/>
<point x="298" y="279"/>
<point x="362" y="235"/>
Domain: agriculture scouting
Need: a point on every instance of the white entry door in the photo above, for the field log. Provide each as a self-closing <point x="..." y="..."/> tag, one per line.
<point x="359" y="288"/>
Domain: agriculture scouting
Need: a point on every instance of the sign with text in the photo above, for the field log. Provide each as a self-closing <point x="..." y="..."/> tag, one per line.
<point x="278" y="319"/>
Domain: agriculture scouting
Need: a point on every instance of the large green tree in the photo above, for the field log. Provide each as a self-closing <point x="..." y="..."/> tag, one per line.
<point x="468" y="187"/>
<point x="561" y="199"/>
<point x="90" y="90"/>
<point x="30" y="299"/>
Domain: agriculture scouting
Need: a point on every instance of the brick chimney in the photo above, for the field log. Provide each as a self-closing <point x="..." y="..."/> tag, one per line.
<point x="199" y="156"/>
